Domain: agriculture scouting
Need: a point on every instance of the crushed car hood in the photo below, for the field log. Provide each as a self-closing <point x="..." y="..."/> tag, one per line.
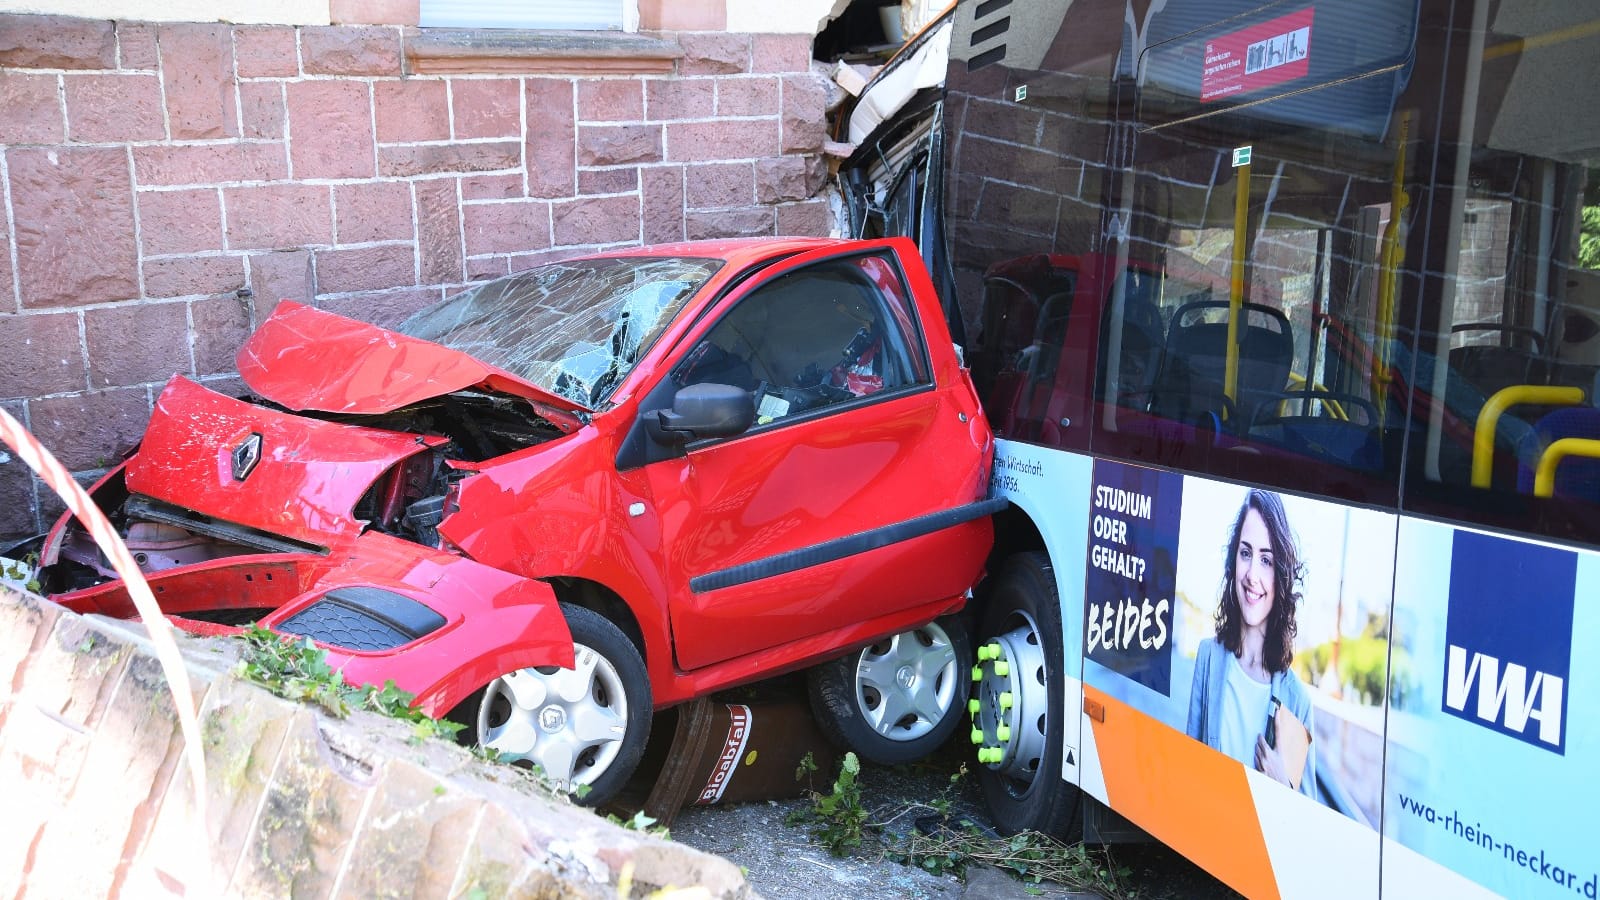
<point x="283" y="474"/>
<point x="305" y="358"/>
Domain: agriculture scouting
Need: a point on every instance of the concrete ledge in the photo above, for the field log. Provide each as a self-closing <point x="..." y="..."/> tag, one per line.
<point x="99" y="801"/>
<point x="511" y="50"/>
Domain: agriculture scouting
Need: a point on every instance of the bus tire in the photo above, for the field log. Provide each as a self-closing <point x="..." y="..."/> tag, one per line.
<point x="898" y="699"/>
<point x="1021" y="626"/>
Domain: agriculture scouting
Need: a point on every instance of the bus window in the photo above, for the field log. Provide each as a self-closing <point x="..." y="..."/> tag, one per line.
<point x="1026" y="194"/>
<point x="1244" y="336"/>
<point x="1507" y="354"/>
<point x="1027" y="308"/>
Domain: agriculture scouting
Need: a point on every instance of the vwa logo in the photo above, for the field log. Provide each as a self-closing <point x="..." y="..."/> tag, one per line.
<point x="1503" y="694"/>
<point x="1508" y="637"/>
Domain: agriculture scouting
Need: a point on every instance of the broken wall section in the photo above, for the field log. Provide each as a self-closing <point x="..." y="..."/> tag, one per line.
<point x="100" y="803"/>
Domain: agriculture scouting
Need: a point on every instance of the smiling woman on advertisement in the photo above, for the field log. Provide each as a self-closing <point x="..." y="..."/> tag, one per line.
<point x="1245" y="700"/>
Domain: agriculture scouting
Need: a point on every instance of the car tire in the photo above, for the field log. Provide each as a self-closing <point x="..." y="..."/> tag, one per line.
<point x="1020" y="706"/>
<point x="585" y="727"/>
<point x="898" y="699"/>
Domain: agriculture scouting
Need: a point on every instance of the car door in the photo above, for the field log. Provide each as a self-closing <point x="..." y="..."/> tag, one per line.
<point x="818" y="516"/>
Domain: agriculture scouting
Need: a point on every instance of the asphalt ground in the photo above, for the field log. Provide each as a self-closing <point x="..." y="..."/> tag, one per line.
<point x="783" y="861"/>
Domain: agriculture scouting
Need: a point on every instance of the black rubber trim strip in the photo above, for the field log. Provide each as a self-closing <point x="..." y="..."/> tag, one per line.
<point x="839" y="548"/>
<point x="395" y="610"/>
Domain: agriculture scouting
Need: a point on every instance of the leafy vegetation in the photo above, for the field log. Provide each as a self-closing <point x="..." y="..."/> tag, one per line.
<point x="1035" y="858"/>
<point x="837" y="819"/>
<point x="20" y="571"/>
<point x="1589" y="238"/>
<point x="945" y="843"/>
<point x="640" y="822"/>
<point x="298" y="670"/>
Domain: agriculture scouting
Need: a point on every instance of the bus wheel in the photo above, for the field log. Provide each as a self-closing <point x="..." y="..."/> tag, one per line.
<point x="898" y="699"/>
<point x="584" y="727"/>
<point x="1018" y="712"/>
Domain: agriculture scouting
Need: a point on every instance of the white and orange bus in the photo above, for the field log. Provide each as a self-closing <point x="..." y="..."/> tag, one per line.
<point x="1287" y="316"/>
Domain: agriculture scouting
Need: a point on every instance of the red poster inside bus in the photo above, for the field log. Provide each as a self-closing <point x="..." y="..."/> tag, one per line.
<point x="1268" y="53"/>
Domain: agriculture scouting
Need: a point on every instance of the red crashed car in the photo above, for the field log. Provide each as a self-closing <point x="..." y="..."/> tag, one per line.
<point x="565" y="497"/>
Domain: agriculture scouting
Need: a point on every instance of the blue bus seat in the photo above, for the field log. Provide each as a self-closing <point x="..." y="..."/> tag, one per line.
<point x="1353" y="441"/>
<point x="1194" y="363"/>
<point x="1576" y="477"/>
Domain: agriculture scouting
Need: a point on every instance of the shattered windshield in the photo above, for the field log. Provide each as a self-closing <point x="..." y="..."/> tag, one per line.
<point x="573" y="328"/>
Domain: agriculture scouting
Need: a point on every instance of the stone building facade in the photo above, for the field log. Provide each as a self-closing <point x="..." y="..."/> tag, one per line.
<point x="163" y="185"/>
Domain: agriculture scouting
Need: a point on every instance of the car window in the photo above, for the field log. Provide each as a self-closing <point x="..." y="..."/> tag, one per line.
<point x="831" y="333"/>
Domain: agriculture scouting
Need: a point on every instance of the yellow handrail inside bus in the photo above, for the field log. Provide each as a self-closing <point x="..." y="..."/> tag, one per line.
<point x="1489" y="419"/>
<point x="1241" y="225"/>
<point x="1390" y="258"/>
<point x="1334" y="407"/>
<point x="1544" y="478"/>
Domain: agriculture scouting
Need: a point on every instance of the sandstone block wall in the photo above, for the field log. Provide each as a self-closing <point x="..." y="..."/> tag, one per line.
<point x="99" y="801"/>
<point x="162" y="186"/>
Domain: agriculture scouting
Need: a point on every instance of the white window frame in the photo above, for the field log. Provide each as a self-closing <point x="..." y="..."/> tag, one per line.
<point x="560" y="15"/>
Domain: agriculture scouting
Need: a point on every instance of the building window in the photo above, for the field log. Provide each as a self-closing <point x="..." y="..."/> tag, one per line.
<point x="584" y="15"/>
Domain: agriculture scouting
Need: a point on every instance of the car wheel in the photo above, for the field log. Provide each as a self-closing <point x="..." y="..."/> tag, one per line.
<point x="584" y="727"/>
<point x="1018" y="713"/>
<point x="898" y="699"/>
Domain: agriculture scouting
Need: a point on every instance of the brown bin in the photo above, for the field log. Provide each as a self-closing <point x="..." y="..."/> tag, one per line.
<point x="729" y="751"/>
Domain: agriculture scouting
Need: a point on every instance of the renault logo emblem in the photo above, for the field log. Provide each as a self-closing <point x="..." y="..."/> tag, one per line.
<point x="245" y="456"/>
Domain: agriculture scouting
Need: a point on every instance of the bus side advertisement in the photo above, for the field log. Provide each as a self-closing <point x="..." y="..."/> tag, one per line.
<point x="1424" y="724"/>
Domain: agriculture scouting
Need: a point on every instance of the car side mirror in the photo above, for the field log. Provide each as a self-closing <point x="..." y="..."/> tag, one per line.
<point x="702" y="411"/>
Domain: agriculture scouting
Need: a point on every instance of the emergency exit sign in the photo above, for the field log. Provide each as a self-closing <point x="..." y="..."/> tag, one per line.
<point x="1241" y="156"/>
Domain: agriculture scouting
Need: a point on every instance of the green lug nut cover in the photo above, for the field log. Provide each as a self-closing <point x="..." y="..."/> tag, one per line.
<point x="977" y="737"/>
<point x="977" y="673"/>
<point x="1003" y="733"/>
<point x="973" y="705"/>
<point x="1005" y="700"/>
<point x="1002" y="668"/>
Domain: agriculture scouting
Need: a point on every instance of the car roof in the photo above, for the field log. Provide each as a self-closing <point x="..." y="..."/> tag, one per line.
<point x="737" y="251"/>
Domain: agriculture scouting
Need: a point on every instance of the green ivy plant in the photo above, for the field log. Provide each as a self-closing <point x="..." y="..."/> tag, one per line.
<point x="1589" y="238"/>
<point x="298" y="670"/>
<point x="640" y="822"/>
<point x="21" y="571"/>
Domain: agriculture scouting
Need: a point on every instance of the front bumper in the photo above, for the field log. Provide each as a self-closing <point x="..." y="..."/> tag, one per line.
<point x="438" y="625"/>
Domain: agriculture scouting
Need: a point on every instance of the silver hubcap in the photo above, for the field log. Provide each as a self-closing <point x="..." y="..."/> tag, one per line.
<point x="1010" y="715"/>
<point x="568" y="722"/>
<point x="906" y="684"/>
